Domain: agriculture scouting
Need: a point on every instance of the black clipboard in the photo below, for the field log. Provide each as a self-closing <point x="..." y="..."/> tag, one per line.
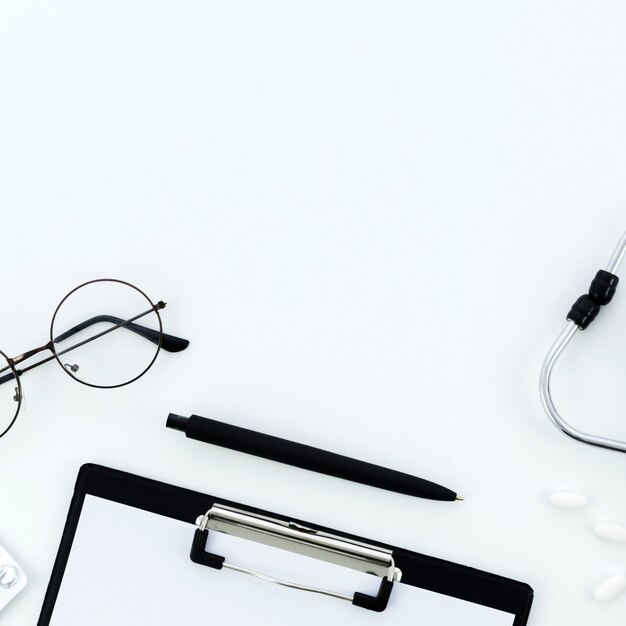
<point x="417" y="570"/>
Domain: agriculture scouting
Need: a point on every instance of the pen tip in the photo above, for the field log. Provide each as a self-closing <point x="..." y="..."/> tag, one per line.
<point x="460" y="498"/>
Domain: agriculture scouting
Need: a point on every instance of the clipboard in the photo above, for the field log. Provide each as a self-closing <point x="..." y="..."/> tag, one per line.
<point x="137" y="551"/>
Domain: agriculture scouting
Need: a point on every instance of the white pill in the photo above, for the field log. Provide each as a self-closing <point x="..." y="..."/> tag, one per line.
<point x="611" y="532"/>
<point x="568" y="500"/>
<point x="610" y="588"/>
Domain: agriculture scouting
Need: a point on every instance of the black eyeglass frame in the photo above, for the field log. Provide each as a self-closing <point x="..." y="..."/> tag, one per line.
<point x="171" y="343"/>
<point x="154" y="307"/>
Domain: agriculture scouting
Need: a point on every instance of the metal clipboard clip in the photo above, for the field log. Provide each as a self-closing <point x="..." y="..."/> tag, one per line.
<point x="300" y="540"/>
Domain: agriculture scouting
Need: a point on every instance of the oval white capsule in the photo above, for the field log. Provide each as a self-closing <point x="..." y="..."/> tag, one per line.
<point x="610" y="588"/>
<point x="568" y="500"/>
<point x="611" y="532"/>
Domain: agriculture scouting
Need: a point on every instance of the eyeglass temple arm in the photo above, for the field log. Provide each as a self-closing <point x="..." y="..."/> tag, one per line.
<point x="170" y="343"/>
<point x="6" y="378"/>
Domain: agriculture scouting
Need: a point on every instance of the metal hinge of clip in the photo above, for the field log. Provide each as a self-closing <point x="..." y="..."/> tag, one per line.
<point x="300" y="540"/>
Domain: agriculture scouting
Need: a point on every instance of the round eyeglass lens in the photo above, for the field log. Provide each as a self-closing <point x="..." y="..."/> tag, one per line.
<point x="10" y="395"/>
<point x="106" y="333"/>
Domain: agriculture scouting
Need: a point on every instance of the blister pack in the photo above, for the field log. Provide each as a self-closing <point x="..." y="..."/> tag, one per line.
<point x="12" y="578"/>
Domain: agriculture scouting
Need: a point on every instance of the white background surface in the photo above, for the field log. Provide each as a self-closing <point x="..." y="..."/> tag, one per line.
<point x="370" y="219"/>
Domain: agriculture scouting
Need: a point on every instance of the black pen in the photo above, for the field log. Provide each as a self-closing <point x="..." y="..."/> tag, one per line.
<point x="306" y="457"/>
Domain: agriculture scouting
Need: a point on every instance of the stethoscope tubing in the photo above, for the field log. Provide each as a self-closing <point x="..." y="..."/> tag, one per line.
<point x="564" y="338"/>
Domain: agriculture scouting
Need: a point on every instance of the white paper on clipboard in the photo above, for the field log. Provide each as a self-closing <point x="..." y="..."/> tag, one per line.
<point x="130" y="567"/>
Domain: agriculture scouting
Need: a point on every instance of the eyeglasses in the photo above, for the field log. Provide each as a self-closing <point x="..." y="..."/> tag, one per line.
<point x="93" y="311"/>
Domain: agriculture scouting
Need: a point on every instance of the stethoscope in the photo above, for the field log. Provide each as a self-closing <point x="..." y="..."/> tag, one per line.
<point x="582" y="313"/>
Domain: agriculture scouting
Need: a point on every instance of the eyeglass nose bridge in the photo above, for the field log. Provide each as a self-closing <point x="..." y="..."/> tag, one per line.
<point x="26" y="355"/>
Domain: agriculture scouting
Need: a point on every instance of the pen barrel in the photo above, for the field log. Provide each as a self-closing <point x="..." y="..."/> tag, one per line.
<point x="313" y="459"/>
